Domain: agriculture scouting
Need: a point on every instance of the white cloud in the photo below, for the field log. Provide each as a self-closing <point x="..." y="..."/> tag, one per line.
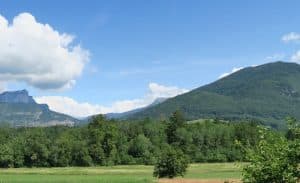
<point x="235" y="69"/>
<point x="156" y="91"/>
<point x="296" y="57"/>
<point x="72" y="107"/>
<point x="275" y="57"/>
<point x="38" y="55"/>
<point x="291" y="37"/>
<point x="2" y="87"/>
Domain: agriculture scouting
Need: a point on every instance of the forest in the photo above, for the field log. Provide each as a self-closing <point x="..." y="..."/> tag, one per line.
<point x="111" y="142"/>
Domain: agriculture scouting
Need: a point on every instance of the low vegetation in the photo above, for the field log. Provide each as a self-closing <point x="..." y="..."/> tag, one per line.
<point x="218" y="172"/>
<point x="275" y="158"/>
<point x="171" y="163"/>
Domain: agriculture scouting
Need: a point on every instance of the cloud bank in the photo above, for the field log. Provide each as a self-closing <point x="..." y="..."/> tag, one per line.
<point x="296" y="57"/>
<point x="38" y="55"/>
<point x="291" y="37"/>
<point x="74" y="108"/>
<point x="235" y="69"/>
<point x="275" y="57"/>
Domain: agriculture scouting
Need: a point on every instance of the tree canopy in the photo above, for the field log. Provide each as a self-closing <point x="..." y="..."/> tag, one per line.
<point x="109" y="142"/>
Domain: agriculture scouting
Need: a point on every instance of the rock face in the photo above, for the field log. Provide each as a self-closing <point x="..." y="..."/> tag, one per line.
<point x="16" y="97"/>
<point x="17" y="108"/>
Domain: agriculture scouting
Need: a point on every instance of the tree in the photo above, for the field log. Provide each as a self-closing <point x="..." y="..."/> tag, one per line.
<point x="108" y="142"/>
<point x="141" y="147"/>
<point x="171" y="163"/>
<point x="17" y="146"/>
<point x="36" y="150"/>
<point x="293" y="132"/>
<point x="176" y="121"/>
<point x="61" y="151"/>
<point x="122" y="148"/>
<point x="80" y="154"/>
<point x="6" y="156"/>
<point x="184" y="140"/>
<point x="275" y="159"/>
<point x="102" y="141"/>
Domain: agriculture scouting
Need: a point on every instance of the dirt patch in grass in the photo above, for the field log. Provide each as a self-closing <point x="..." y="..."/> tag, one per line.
<point x="197" y="181"/>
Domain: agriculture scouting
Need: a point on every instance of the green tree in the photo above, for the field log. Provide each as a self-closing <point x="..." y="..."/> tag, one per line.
<point x="109" y="142"/>
<point x="102" y="141"/>
<point x="171" y="163"/>
<point x="36" y="151"/>
<point x="184" y="140"/>
<point x="61" y="151"/>
<point x="17" y="145"/>
<point x="293" y="132"/>
<point x="274" y="159"/>
<point x="6" y="156"/>
<point x="176" y="121"/>
<point x="80" y="154"/>
<point x="122" y="148"/>
<point x="141" y="147"/>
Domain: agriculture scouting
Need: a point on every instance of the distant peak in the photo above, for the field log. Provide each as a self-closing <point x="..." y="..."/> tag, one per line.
<point x="280" y="62"/>
<point x="16" y="91"/>
<point x="19" y="96"/>
<point x="22" y="92"/>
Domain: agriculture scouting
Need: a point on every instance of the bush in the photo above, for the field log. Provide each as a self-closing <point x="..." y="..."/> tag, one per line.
<point x="171" y="163"/>
<point x="6" y="156"/>
<point x="275" y="159"/>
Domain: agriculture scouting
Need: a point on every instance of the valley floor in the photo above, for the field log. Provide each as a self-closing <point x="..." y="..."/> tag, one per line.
<point x="197" y="173"/>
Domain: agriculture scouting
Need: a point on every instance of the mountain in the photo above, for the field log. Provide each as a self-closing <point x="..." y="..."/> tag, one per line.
<point x="267" y="93"/>
<point x="131" y="112"/>
<point x="16" y="97"/>
<point x="19" y="109"/>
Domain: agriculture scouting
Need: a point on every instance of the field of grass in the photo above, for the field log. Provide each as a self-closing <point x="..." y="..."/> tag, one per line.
<point x="115" y="174"/>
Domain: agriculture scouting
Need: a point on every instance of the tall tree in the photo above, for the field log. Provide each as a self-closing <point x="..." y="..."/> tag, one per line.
<point x="176" y="121"/>
<point x="102" y="141"/>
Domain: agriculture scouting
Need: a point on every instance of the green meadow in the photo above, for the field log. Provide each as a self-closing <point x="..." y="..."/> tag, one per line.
<point x="114" y="174"/>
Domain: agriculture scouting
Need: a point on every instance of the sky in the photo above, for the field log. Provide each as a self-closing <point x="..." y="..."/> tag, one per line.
<point x="93" y="56"/>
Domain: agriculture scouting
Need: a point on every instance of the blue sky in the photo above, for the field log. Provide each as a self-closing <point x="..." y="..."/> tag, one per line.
<point x="183" y="44"/>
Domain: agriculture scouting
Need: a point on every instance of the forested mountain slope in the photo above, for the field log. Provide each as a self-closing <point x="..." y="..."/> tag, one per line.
<point x="267" y="93"/>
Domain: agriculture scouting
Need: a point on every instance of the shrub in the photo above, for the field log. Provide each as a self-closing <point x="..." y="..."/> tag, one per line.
<point x="171" y="163"/>
<point x="6" y="156"/>
<point x="275" y="159"/>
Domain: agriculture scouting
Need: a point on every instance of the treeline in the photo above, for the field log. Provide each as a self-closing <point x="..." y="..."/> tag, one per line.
<point x="110" y="142"/>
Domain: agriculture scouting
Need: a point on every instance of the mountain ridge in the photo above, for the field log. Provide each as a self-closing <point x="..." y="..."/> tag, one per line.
<point x="19" y="96"/>
<point x="17" y="108"/>
<point x="267" y="93"/>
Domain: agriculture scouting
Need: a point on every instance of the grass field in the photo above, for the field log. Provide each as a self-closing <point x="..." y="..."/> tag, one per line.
<point x="117" y="174"/>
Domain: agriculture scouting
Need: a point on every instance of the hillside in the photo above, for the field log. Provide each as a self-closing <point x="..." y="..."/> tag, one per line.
<point x="267" y="93"/>
<point x="17" y="108"/>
